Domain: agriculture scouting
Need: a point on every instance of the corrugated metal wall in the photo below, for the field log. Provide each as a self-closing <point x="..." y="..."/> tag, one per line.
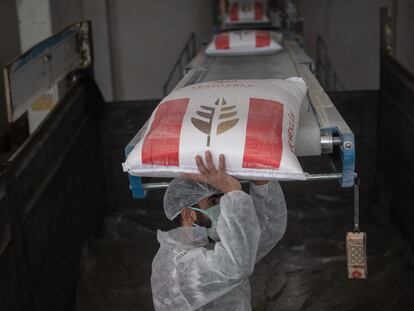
<point x="396" y="147"/>
<point x="55" y="201"/>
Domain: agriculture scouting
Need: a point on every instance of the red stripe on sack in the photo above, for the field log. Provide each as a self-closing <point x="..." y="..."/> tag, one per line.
<point x="222" y="41"/>
<point x="264" y="146"/>
<point x="161" y="145"/>
<point x="262" y="39"/>
<point x="234" y="12"/>
<point x="258" y="11"/>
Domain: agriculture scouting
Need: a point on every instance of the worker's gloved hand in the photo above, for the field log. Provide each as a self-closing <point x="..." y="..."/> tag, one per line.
<point x="218" y="178"/>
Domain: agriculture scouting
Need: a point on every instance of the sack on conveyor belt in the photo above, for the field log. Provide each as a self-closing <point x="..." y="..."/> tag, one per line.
<point x="252" y="122"/>
<point x="242" y="12"/>
<point x="244" y="42"/>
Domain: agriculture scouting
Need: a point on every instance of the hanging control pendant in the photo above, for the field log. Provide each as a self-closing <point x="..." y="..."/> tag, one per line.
<point x="356" y="244"/>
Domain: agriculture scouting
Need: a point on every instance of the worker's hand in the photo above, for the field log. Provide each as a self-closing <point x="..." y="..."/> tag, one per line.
<point x="218" y="178"/>
<point x="261" y="182"/>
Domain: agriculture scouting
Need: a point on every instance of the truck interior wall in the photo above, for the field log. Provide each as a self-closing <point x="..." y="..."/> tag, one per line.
<point x="403" y="24"/>
<point x="9" y="281"/>
<point x="55" y="193"/>
<point x="396" y="148"/>
<point x="350" y="31"/>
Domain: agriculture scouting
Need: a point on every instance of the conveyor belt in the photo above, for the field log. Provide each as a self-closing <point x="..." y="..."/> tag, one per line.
<point x="275" y="66"/>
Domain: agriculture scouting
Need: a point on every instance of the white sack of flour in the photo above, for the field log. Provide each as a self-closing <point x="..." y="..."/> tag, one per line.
<point x="243" y="12"/>
<point x="244" y="42"/>
<point x="252" y="122"/>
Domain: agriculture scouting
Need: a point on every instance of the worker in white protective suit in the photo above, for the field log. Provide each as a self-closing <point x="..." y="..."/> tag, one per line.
<point x="221" y="233"/>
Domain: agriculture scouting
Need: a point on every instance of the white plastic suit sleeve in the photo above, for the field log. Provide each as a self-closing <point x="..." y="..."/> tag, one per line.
<point x="204" y="275"/>
<point x="271" y="211"/>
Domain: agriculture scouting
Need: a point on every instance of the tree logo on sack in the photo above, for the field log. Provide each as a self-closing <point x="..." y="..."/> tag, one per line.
<point x="246" y="7"/>
<point x="225" y="118"/>
<point x="242" y="33"/>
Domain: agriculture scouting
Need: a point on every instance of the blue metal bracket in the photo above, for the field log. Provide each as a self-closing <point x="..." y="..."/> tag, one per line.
<point x="348" y="159"/>
<point x="135" y="185"/>
<point x="135" y="182"/>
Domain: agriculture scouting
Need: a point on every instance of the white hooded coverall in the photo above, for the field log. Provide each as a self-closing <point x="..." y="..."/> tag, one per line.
<point x="189" y="273"/>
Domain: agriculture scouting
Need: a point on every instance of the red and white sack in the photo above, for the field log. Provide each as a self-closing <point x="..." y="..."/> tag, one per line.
<point x="241" y="12"/>
<point x="252" y="122"/>
<point x="244" y="42"/>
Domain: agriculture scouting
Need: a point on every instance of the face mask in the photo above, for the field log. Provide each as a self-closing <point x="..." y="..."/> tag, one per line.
<point x="213" y="213"/>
